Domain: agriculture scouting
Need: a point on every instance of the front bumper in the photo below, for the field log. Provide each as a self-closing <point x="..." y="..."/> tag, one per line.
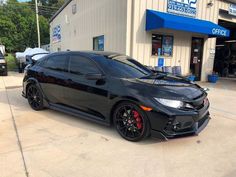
<point x="166" y="127"/>
<point x="24" y="89"/>
<point x="3" y="68"/>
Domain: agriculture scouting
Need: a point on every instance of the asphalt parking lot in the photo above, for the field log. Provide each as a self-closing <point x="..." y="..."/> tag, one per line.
<point x="53" y="144"/>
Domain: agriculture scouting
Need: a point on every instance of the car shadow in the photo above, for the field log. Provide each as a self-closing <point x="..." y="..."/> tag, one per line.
<point x="18" y="103"/>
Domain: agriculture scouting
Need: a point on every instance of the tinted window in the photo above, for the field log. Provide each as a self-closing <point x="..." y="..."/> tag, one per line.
<point x="58" y="63"/>
<point x="128" y="68"/>
<point x="81" y="65"/>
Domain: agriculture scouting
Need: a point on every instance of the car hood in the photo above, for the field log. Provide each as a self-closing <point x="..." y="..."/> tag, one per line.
<point x="2" y="61"/>
<point x="168" y="87"/>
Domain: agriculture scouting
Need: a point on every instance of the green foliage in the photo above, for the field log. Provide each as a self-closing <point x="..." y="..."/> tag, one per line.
<point x="11" y="62"/>
<point x="18" y="26"/>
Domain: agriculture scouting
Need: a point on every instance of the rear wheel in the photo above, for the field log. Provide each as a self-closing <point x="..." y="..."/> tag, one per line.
<point x="35" y="97"/>
<point x="131" y="122"/>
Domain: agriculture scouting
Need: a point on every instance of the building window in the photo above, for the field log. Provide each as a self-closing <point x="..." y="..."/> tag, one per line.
<point x="162" y="45"/>
<point x="98" y="43"/>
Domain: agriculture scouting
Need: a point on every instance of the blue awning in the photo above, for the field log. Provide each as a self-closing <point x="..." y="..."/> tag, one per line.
<point x="157" y="20"/>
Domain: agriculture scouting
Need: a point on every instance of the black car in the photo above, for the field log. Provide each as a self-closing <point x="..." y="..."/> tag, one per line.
<point x="111" y="88"/>
<point x="3" y="65"/>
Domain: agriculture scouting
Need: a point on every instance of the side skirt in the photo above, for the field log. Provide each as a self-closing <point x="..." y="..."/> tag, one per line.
<point x="77" y="113"/>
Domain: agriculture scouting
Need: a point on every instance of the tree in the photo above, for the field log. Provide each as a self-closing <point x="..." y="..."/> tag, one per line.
<point x="18" y="26"/>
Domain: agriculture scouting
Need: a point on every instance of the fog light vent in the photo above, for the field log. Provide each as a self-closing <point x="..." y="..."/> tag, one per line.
<point x="176" y="125"/>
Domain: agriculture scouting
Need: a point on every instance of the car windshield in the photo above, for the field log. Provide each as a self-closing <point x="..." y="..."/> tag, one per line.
<point x="124" y="67"/>
<point x="1" y="55"/>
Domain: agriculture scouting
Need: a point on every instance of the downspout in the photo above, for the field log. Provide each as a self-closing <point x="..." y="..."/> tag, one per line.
<point x="132" y="27"/>
<point x="129" y="27"/>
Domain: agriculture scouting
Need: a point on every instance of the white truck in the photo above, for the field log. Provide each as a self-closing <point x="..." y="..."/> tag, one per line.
<point x="2" y="49"/>
<point x="21" y="56"/>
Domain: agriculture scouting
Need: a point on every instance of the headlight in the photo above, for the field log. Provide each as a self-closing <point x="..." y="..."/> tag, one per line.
<point x="170" y="103"/>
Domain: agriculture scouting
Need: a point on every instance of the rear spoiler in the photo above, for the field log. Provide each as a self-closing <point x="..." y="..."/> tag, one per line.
<point x="30" y="60"/>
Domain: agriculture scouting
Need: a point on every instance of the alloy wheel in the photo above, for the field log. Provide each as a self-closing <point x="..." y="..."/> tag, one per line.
<point x="34" y="97"/>
<point x="130" y="122"/>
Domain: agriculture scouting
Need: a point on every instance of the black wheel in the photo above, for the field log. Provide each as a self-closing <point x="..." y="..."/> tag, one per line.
<point x="35" y="98"/>
<point x="5" y="73"/>
<point x="131" y="122"/>
<point x="20" y="68"/>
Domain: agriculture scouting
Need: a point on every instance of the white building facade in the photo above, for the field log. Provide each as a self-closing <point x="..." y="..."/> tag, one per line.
<point x="155" y="32"/>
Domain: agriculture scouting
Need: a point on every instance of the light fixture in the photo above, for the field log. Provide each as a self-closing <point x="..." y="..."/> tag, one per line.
<point x="220" y="45"/>
<point x="231" y="41"/>
<point x="210" y="3"/>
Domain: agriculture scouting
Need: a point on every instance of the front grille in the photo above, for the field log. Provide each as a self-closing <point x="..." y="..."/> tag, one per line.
<point x="198" y="96"/>
<point x="198" y="107"/>
<point x="198" y="102"/>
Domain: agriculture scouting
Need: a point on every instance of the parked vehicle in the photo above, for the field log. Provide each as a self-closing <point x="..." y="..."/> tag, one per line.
<point x="2" y="49"/>
<point x="111" y="88"/>
<point x="3" y="65"/>
<point x="21" y="56"/>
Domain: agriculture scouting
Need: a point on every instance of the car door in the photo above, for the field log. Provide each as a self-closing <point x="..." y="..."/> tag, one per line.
<point x="90" y="96"/>
<point x="51" y="76"/>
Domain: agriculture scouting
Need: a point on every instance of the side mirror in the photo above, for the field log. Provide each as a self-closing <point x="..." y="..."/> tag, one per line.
<point x="94" y="76"/>
<point x="206" y="89"/>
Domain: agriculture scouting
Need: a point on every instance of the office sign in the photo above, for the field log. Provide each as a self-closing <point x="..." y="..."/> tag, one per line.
<point x="232" y="9"/>
<point x="56" y="34"/>
<point x="182" y="7"/>
<point x="220" y="32"/>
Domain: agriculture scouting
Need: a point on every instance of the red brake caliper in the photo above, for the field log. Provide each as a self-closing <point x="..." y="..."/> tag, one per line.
<point x="138" y="119"/>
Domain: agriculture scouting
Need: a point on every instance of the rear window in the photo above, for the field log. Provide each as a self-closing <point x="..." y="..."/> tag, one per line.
<point x="56" y="63"/>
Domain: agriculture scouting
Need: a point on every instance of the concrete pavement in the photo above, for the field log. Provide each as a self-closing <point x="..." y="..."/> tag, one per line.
<point x="58" y="145"/>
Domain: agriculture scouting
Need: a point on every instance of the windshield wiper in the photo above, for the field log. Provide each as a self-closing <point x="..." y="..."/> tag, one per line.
<point x="155" y="76"/>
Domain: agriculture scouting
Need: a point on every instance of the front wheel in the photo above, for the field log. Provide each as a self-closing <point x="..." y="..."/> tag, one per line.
<point x="131" y="122"/>
<point x="35" y="97"/>
<point x="5" y="73"/>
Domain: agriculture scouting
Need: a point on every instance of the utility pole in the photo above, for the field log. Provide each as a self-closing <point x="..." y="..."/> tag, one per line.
<point x="37" y="21"/>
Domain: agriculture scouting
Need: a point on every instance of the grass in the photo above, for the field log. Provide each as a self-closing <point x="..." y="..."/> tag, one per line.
<point x="11" y="62"/>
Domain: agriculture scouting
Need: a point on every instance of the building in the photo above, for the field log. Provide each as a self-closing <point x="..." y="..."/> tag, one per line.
<point x="182" y="33"/>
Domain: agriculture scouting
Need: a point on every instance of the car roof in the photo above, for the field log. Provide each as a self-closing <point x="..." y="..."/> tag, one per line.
<point x="93" y="54"/>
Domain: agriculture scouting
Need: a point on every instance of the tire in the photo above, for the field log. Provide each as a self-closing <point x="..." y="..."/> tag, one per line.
<point x="5" y="73"/>
<point x="35" y="98"/>
<point x="131" y="122"/>
<point x="20" y="68"/>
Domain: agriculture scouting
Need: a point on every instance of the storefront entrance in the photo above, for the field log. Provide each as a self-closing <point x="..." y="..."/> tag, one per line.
<point x="225" y="58"/>
<point x="196" y="57"/>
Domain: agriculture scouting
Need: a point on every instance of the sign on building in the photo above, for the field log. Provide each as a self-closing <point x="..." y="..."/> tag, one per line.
<point x="182" y="7"/>
<point x="56" y="34"/>
<point x="232" y="9"/>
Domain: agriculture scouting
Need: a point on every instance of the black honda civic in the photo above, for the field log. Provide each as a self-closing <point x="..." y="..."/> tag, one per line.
<point x="111" y="88"/>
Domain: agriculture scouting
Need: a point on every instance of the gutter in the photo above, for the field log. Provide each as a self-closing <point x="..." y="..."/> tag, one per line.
<point x="59" y="10"/>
